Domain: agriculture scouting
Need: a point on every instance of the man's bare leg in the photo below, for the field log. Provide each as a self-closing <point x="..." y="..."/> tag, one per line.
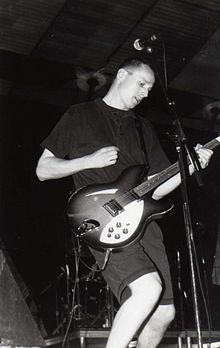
<point x="145" y="293"/>
<point x="154" y="330"/>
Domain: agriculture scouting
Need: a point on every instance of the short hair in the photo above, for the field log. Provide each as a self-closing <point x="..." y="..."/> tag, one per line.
<point x="134" y="62"/>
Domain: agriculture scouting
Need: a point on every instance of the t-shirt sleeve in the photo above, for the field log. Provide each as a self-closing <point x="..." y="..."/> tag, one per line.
<point x="62" y="136"/>
<point x="156" y="156"/>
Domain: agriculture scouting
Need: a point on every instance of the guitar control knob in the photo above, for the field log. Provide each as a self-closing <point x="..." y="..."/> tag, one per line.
<point x="109" y="235"/>
<point x="111" y="229"/>
<point x="125" y="230"/>
<point x="118" y="224"/>
<point x="117" y="236"/>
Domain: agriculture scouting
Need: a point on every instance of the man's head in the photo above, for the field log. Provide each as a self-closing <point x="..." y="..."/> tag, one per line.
<point x="133" y="81"/>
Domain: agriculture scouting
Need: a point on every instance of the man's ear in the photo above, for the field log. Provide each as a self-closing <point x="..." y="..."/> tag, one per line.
<point x="121" y="73"/>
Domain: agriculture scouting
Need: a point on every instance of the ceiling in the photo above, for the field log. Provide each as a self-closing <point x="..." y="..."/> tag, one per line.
<point x="84" y="39"/>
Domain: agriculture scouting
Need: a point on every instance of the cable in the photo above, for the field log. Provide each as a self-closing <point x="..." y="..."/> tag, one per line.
<point x="87" y="266"/>
<point x="164" y="63"/>
<point x="73" y="298"/>
<point x="202" y="291"/>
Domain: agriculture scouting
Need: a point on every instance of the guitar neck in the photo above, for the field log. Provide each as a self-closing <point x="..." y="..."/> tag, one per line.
<point x="167" y="173"/>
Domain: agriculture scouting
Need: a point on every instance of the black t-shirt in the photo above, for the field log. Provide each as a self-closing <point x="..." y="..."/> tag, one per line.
<point x="87" y="127"/>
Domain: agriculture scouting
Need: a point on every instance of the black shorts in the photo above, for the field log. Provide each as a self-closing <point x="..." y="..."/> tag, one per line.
<point x="146" y="256"/>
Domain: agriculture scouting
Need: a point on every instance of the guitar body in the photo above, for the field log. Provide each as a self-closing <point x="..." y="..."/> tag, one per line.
<point x="109" y="216"/>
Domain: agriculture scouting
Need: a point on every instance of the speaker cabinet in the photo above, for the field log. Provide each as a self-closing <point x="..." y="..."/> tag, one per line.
<point x="17" y="326"/>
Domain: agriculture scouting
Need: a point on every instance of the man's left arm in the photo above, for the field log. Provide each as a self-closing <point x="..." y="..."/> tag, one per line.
<point x="171" y="184"/>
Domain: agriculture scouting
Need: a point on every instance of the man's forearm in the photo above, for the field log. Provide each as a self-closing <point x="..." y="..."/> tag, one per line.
<point x="169" y="186"/>
<point x="56" y="168"/>
<point x="204" y="156"/>
<point x="51" y="167"/>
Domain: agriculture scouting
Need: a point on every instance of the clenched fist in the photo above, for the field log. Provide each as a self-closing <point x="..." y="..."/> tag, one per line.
<point x="104" y="157"/>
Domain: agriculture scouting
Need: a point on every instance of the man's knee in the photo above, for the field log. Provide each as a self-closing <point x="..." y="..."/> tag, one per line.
<point x="171" y="312"/>
<point x="165" y="313"/>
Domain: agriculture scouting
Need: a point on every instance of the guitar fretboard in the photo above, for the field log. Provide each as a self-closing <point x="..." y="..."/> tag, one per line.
<point x="167" y="173"/>
<point x="116" y="205"/>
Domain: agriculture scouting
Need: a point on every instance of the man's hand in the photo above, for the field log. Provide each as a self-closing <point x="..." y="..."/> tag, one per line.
<point x="104" y="157"/>
<point x="204" y="155"/>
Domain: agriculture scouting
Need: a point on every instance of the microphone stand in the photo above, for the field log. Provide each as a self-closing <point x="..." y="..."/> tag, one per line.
<point x="183" y="165"/>
<point x="183" y="148"/>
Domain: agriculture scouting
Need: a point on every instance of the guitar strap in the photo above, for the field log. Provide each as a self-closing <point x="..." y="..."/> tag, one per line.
<point x="143" y="145"/>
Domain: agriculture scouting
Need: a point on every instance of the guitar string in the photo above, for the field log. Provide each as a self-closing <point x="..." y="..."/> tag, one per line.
<point x="152" y="183"/>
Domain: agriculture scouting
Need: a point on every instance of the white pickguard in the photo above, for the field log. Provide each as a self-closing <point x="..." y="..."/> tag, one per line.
<point x="122" y="226"/>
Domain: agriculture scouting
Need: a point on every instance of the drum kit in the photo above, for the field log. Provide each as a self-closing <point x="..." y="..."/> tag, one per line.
<point x="89" y="302"/>
<point x="94" y="304"/>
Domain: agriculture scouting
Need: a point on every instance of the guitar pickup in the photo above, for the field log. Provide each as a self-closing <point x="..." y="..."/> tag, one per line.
<point x="113" y="207"/>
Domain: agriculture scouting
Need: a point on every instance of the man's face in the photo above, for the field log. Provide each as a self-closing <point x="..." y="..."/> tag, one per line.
<point x="134" y="85"/>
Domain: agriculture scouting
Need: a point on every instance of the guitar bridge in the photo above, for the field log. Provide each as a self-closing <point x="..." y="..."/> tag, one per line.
<point x="113" y="207"/>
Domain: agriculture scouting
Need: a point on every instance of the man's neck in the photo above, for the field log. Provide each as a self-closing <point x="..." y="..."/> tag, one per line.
<point x="111" y="99"/>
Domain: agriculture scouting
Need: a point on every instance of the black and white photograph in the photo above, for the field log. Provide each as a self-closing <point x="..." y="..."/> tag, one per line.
<point x="110" y="173"/>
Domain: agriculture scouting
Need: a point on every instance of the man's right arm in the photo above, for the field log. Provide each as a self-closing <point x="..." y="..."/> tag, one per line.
<point x="51" y="167"/>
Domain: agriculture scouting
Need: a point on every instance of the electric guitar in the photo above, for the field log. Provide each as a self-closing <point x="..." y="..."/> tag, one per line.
<point x="111" y="216"/>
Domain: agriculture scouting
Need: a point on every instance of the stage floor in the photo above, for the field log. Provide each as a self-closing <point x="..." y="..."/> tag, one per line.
<point x="96" y="338"/>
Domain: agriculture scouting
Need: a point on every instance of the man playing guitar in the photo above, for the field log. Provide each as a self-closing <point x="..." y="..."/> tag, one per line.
<point x="95" y="142"/>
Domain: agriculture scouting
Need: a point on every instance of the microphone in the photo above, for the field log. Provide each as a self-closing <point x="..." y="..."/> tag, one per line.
<point x="140" y="44"/>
